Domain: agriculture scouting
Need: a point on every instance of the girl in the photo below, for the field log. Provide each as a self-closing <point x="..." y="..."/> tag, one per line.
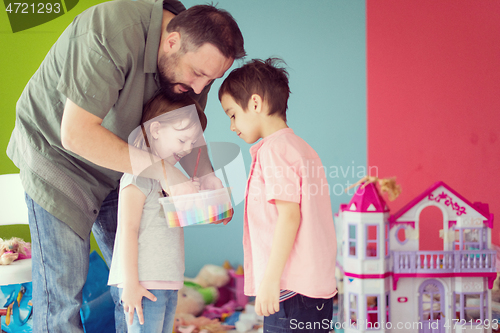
<point x="148" y="256"/>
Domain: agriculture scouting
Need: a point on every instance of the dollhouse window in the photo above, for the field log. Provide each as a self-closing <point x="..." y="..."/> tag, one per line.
<point x="401" y="234"/>
<point x="471" y="307"/>
<point x="372" y="313"/>
<point x="371" y="241"/>
<point x="386" y="235"/>
<point x="353" y="308"/>
<point x="470" y="239"/>
<point x="352" y="241"/>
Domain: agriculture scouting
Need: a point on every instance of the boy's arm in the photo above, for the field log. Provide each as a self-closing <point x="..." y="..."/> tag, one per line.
<point x="131" y="203"/>
<point x="267" y="301"/>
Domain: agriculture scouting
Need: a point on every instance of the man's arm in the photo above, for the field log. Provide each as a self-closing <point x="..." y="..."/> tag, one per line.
<point x="82" y="133"/>
<point x="267" y="300"/>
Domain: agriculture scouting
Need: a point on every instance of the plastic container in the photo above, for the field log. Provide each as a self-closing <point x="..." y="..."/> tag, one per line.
<point x="198" y="208"/>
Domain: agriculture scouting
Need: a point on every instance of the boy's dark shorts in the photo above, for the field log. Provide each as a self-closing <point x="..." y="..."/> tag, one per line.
<point x="301" y="314"/>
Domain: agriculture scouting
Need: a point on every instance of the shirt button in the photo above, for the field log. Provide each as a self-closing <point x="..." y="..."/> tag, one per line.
<point x="95" y="211"/>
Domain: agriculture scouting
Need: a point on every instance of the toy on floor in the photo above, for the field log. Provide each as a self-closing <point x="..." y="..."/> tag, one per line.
<point x="216" y="293"/>
<point x="221" y="312"/>
<point x="17" y="315"/>
<point x="211" y="276"/>
<point x="187" y="323"/>
<point x="202" y="290"/>
<point x="234" y="289"/>
<point x="190" y="301"/>
<point x="248" y="319"/>
<point x="13" y="249"/>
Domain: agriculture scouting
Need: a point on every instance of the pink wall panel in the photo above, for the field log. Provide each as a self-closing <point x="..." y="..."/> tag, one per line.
<point x="434" y="96"/>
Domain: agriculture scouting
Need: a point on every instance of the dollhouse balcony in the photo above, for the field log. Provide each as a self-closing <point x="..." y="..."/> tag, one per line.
<point x="445" y="262"/>
<point x="462" y="263"/>
<point x="433" y="264"/>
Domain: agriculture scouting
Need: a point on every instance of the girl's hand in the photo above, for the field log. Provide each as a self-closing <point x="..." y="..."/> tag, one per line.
<point x="132" y="301"/>
<point x="267" y="300"/>
<point x="211" y="182"/>
<point x="196" y="182"/>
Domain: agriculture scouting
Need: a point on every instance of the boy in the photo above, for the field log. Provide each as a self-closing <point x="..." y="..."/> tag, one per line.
<point x="288" y="237"/>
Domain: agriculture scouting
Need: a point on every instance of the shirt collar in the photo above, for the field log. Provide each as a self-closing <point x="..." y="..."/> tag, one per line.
<point x="153" y="39"/>
<point x="256" y="147"/>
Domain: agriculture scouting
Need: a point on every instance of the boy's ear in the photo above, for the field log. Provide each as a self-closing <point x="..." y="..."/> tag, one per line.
<point x="255" y="103"/>
<point x="154" y="127"/>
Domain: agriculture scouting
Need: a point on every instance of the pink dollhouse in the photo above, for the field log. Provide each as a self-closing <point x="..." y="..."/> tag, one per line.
<point x="388" y="283"/>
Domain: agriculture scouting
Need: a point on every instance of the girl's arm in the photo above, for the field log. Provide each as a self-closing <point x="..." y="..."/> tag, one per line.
<point x="130" y="205"/>
<point x="267" y="300"/>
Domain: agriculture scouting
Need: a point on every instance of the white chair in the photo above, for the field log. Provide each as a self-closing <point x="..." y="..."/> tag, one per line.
<point x="13" y="210"/>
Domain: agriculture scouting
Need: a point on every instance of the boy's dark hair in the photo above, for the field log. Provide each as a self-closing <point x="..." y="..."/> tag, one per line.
<point x="206" y="24"/>
<point x="263" y="78"/>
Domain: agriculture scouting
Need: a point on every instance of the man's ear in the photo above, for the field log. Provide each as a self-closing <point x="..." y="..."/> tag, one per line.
<point x="255" y="103"/>
<point x="154" y="127"/>
<point x="171" y="43"/>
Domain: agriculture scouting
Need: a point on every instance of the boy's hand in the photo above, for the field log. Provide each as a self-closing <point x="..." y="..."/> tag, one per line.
<point x="267" y="300"/>
<point x="132" y="301"/>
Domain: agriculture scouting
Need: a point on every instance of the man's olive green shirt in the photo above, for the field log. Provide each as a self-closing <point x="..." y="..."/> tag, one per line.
<point x="106" y="63"/>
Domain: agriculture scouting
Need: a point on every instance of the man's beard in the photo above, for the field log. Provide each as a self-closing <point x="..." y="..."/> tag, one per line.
<point x="167" y="78"/>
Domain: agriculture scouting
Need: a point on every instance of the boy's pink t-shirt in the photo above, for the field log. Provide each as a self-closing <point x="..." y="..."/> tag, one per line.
<point x="285" y="167"/>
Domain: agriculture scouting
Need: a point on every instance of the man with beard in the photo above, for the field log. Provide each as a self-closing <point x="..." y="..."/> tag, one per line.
<point x="72" y="122"/>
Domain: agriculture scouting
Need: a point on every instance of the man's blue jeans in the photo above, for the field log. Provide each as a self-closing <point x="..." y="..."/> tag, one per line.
<point x="60" y="265"/>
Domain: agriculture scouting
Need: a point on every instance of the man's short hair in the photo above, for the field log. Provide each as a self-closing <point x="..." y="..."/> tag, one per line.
<point x="264" y="78"/>
<point x="207" y="24"/>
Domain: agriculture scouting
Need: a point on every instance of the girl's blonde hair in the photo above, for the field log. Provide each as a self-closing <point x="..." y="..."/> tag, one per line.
<point x="159" y="108"/>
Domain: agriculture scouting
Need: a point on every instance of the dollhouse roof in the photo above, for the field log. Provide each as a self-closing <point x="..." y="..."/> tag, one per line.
<point x="367" y="200"/>
<point x="479" y="207"/>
